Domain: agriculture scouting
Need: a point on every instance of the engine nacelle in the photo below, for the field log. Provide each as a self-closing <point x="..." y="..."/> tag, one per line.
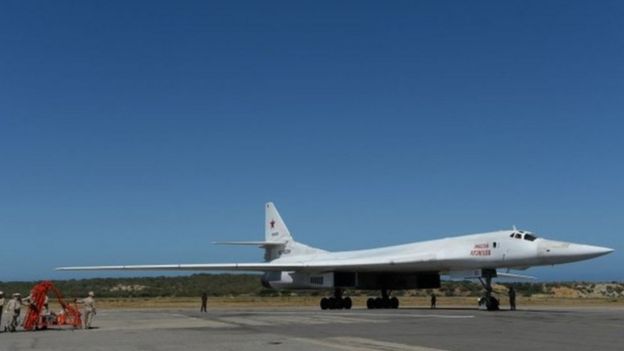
<point x="361" y="280"/>
<point x="297" y="280"/>
<point x="276" y="280"/>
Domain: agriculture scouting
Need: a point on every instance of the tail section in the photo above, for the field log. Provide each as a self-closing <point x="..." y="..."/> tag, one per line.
<point x="275" y="231"/>
<point x="277" y="239"/>
<point x="274" y="227"/>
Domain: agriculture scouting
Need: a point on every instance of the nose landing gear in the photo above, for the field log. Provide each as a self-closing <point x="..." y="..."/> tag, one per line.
<point x="487" y="301"/>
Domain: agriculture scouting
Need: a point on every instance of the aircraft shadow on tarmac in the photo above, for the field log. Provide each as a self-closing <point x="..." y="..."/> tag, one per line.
<point x="472" y="309"/>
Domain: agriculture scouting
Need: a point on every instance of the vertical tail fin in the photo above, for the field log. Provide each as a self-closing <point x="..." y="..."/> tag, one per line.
<point x="275" y="230"/>
<point x="277" y="239"/>
<point x="274" y="227"/>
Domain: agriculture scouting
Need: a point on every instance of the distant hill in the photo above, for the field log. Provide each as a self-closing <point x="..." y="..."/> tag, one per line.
<point x="248" y="284"/>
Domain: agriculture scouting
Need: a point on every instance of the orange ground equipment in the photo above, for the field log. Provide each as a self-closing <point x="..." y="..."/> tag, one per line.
<point x="35" y="319"/>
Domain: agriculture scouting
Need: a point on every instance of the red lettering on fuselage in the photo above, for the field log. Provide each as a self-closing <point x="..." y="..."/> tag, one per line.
<point x="481" y="250"/>
<point x="480" y="253"/>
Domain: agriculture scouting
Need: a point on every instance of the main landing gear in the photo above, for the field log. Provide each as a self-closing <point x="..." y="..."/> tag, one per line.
<point x="336" y="302"/>
<point x="487" y="301"/>
<point x="385" y="301"/>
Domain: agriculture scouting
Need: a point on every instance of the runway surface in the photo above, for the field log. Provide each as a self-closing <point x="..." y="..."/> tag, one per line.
<point x="309" y="329"/>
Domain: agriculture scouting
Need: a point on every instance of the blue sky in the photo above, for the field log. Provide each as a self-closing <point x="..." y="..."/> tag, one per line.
<point x="140" y="132"/>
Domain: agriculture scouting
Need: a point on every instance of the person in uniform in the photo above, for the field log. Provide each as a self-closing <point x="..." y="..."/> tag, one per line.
<point x="43" y="313"/>
<point x="512" y="298"/>
<point x="89" y="309"/>
<point x="204" y="301"/>
<point x="28" y="301"/>
<point x="433" y="300"/>
<point x="14" y="308"/>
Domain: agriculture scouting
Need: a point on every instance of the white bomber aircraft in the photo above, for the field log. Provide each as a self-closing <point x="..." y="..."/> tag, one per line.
<point x="293" y="265"/>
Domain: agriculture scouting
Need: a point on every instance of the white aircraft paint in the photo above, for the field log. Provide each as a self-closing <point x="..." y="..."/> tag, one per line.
<point x="464" y="255"/>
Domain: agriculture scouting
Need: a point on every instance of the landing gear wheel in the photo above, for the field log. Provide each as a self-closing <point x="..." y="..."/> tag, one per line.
<point x="347" y="303"/>
<point x="338" y="303"/>
<point x="332" y="303"/>
<point x="492" y="304"/>
<point x="394" y="303"/>
<point x="370" y="303"/>
<point x="385" y="301"/>
<point x="488" y="302"/>
<point x="379" y="302"/>
<point x="324" y="303"/>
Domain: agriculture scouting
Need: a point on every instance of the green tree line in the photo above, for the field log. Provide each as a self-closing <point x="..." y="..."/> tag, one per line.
<point x="249" y="284"/>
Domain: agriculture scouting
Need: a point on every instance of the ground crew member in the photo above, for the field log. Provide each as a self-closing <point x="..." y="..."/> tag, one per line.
<point x="14" y="308"/>
<point x="89" y="309"/>
<point x="43" y="313"/>
<point x="512" y="298"/>
<point x="204" y="300"/>
<point x="28" y="300"/>
<point x="1" y="306"/>
<point x="433" y="300"/>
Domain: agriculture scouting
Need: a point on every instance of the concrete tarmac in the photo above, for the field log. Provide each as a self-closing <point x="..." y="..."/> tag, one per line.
<point x="304" y="329"/>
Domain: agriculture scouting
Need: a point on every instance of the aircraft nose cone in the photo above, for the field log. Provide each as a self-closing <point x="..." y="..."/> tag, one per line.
<point x="588" y="251"/>
<point x="555" y="252"/>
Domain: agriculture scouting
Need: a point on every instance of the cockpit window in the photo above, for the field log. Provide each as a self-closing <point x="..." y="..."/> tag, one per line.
<point x="511" y="236"/>
<point x="529" y="237"/>
<point x="518" y="236"/>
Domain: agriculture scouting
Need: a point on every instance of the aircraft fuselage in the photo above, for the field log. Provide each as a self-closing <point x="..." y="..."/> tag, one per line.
<point x="449" y="256"/>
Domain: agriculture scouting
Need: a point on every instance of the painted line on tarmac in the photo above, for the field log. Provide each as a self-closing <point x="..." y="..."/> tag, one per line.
<point x="402" y="315"/>
<point x="330" y="314"/>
